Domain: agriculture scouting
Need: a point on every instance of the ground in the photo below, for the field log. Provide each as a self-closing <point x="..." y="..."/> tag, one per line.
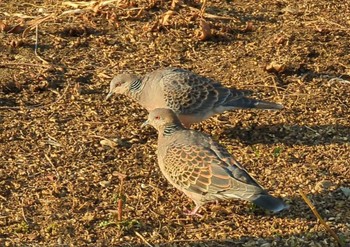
<point x="63" y="147"/>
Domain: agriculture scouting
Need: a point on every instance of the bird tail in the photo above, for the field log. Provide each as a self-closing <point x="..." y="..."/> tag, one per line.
<point x="270" y="203"/>
<point x="245" y="102"/>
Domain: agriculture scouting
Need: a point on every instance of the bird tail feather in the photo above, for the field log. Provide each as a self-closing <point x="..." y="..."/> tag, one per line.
<point x="253" y="103"/>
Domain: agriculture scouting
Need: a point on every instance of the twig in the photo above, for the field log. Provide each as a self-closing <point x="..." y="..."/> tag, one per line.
<point x="120" y="194"/>
<point x="35" y="22"/>
<point x="274" y="85"/>
<point x="23" y="214"/>
<point x="10" y="107"/>
<point x="314" y="211"/>
<point x="120" y="209"/>
<point x="23" y="16"/>
<point x="202" y="12"/>
<point x="25" y="64"/>
<point x="332" y="22"/>
<point x="72" y="11"/>
<point x="49" y="160"/>
<point x="143" y="239"/>
<point x="338" y="79"/>
<point x="36" y="40"/>
<point x="59" y="98"/>
<point x="101" y="137"/>
<point x="88" y="4"/>
<point x="211" y="16"/>
<point x="53" y="142"/>
<point x="233" y="242"/>
<point x="317" y="134"/>
<point x="36" y="45"/>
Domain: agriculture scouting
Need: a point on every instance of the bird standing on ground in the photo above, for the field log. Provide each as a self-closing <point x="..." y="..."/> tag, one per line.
<point x="201" y="168"/>
<point x="192" y="97"/>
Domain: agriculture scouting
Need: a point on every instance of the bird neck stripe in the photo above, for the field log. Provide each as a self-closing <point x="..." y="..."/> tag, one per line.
<point x="170" y="129"/>
<point x="136" y="85"/>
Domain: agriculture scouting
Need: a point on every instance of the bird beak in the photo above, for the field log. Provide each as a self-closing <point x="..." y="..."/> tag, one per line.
<point x="109" y="95"/>
<point x="145" y="123"/>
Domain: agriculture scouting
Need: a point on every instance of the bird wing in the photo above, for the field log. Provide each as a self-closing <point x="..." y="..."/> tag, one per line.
<point x="200" y="170"/>
<point x="188" y="93"/>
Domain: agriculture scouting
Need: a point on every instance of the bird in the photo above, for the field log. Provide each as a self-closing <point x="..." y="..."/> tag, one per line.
<point x="192" y="97"/>
<point x="201" y="168"/>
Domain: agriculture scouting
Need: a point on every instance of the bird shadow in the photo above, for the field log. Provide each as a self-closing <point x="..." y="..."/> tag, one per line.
<point x="329" y="203"/>
<point x="8" y="102"/>
<point x="308" y="75"/>
<point x="290" y="134"/>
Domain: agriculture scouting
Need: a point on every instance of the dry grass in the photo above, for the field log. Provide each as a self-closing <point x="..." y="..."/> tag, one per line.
<point x="63" y="148"/>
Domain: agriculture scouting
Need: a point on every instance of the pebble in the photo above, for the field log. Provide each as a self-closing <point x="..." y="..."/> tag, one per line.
<point x="323" y="185"/>
<point x="105" y="183"/>
<point x="346" y="191"/>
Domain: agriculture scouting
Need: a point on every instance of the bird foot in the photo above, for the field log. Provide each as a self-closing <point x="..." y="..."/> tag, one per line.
<point x="192" y="213"/>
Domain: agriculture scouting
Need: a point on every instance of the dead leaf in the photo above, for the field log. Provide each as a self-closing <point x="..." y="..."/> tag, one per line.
<point x="166" y="17"/>
<point x="16" y="42"/>
<point x="275" y="67"/>
<point x="249" y="27"/>
<point x="96" y="7"/>
<point x="88" y="216"/>
<point x="280" y="39"/>
<point x="175" y="3"/>
<point x="2" y="26"/>
<point x="205" y="30"/>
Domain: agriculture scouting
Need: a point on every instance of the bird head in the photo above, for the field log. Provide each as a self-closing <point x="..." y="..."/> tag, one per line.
<point x="160" y="118"/>
<point x="120" y="84"/>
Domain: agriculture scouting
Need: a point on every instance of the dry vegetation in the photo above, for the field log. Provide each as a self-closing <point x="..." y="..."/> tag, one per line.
<point x="63" y="148"/>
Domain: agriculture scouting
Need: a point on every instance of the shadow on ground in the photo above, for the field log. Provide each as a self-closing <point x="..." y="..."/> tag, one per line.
<point x="291" y="134"/>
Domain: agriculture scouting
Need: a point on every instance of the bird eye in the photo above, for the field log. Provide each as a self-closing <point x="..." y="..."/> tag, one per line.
<point x="157" y="117"/>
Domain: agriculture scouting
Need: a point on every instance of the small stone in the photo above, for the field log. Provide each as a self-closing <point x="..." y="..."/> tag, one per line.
<point x="346" y="191"/>
<point x="219" y="209"/>
<point x="323" y="185"/>
<point x="265" y="245"/>
<point x="290" y="10"/>
<point x="105" y="183"/>
<point x="109" y="143"/>
<point x="250" y="243"/>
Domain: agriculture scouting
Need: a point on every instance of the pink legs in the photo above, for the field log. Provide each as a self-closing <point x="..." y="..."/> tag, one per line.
<point x="193" y="212"/>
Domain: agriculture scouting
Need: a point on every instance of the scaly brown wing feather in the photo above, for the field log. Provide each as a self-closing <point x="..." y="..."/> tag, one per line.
<point x="201" y="170"/>
<point x="188" y="93"/>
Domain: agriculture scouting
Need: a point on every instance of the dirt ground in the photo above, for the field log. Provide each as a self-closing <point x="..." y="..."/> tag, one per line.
<point x="63" y="147"/>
